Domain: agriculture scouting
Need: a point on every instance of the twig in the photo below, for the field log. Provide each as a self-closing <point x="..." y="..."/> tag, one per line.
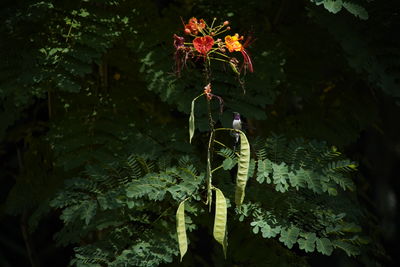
<point x="219" y="167"/>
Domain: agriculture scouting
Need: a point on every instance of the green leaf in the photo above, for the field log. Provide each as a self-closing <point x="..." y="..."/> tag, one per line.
<point x="252" y="167"/>
<point x="350" y="249"/>
<point x="264" y="168"/>
<point x="268" y="232"/>
<point x="333" y="6"/>
<point x="297" y="179"/>
<point x="332" y="191"/>
<point x="289" y="236"/>
<point x="280" y="175"/>
<point x="256" y="229"/>
<point x="228" y="164"/>
<point x="310" y="178"/>
<point x="340" y="166"/>
<point x="181" y="229"/>
<point x="234" y="68"/>
<point x="308" y="242"/>
<point x="88" y="210"/>
<point x="220" y="219"/>
<point x="324" y="246"/>
<point x="84" y="13"/>
<point x="356" y="10"/>
<point x="243" y="169"/>
<point x="351" y="228"/>
<point x="152" y="185"/>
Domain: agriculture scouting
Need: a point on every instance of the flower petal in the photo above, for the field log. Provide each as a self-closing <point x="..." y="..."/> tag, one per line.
<point x="232" y="43"/>
<point x="203" y="44"/>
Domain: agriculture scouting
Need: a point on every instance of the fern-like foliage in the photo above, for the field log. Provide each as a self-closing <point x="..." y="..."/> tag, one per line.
<point x="108" y="128"/>
<point x="126" y="212"/>
<point x="334" y="6"/>
<point x="303" y="164"/>
<point x="294" y="200"/>
<point x="65" y="43"/>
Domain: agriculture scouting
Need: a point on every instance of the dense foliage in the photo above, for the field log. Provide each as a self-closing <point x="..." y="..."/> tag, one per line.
<point x="94" y="130"/>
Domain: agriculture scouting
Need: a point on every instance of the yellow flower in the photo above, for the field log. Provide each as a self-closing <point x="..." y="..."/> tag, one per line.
<point x="232" y="43"/>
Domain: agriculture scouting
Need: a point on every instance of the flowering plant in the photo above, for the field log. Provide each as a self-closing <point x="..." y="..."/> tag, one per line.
<point x="202" y="42"/>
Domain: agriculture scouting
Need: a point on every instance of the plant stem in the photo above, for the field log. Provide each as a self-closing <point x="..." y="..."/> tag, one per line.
<point x="221" y="144"/>
<point x="209" y="172"/>
<point x="219" y="59"/>
<point x="198" y="96"/>
<point x="219" y="167"/>
<point x="221" y="54"/>
<point x="226" y="129"/>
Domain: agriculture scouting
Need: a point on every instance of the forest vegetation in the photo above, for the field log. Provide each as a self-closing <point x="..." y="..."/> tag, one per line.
<point x="117" y="146"/>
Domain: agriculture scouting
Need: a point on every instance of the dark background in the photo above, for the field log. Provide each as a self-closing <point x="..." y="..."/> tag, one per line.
<point x="340" y="84"/>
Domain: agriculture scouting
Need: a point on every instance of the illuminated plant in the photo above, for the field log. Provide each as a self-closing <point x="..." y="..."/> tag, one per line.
<point x="290" y="168"/>
<point x="205" y="46"/>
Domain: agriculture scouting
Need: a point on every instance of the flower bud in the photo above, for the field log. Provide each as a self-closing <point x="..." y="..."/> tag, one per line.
<point x="187" y="31"/>
<point x="228" y="28"/>
<point x="226" y="23"/>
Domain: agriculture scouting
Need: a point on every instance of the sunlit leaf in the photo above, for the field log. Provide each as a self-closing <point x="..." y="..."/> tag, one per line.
<point x="228" y="164"/>
<point x="308" y="242"/>
<point x="356" y="10"/>
<point x="333" y="6"/>
<point x="324" y="246"/>
<point x="289" y="236"/>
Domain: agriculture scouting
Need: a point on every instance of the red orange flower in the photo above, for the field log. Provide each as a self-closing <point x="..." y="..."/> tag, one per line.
<point x="203" y="44"/>
<point x="193" y="27"/>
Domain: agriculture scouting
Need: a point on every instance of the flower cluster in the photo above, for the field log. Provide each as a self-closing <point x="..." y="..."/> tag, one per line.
<point x="202" y="42"/>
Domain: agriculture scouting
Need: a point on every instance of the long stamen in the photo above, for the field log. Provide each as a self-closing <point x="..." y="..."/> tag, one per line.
<point x="219" y="32"/>
<point x="204" y="31"/>
<point x="217" y="29"/>
<point x="247" y="60"/>
<point x="212" y="24"/>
